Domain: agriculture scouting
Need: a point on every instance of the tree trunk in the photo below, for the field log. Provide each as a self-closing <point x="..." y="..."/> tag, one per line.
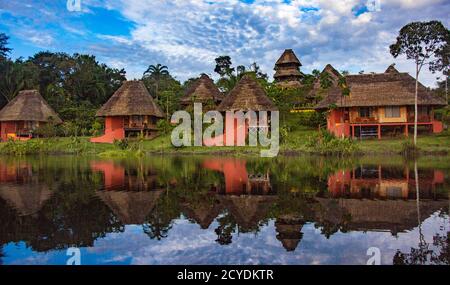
<point x="415" y="105"/>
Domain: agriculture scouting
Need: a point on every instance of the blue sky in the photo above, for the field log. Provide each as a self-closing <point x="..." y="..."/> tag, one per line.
<point x="186" y="35"/>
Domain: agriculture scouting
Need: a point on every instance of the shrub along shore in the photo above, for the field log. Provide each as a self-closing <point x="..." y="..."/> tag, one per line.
<point x="301" y="141"/>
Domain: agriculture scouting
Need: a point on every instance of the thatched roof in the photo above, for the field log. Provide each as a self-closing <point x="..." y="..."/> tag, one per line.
<point x="202" y="91"/>
<point x="379" y="215"/>
<point x="26" y="199"/>
<point x="130" y="207"/>
<point x="247" y="95"/>
<point x="392" y="69"/>
<point x="383" y="89"/>
<point x="287" y="57"/>
<point x="247" y="210"/>
<point x="289" y="232"/>
<point x="132" y="98"/>
<point x="287" y="73"/>
<point x="203" y="213"/>
<point x="29" y="105"/>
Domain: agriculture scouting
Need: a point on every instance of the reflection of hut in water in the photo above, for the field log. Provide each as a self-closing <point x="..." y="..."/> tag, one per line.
<point x="248" y="211"/>
<point x="384" y="183"/>
<point x="27" y="199"/>
<point x="130" y="207"/>
<point x="376" y="215"/>
<point x="203" y="213"/>
<point x="237" y="179"/>
<point x="15" y="172"/>
<point x="289" y="232"/>
<point x="117" y="177"/>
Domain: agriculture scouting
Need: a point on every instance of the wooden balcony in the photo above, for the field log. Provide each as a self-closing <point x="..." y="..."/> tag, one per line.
<point x="420" y="118"/>
<point x="364" y="120"/>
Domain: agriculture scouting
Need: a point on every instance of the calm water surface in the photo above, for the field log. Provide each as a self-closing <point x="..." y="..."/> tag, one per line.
<point x="224" y="210"/>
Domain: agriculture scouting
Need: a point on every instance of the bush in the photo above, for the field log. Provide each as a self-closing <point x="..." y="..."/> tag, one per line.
<point x="409" y="149"/>
<point x="310" y="118"/>
<point x="122" y="144"/>
<point x="327" y="144"/>
<point x="24" y="148"/>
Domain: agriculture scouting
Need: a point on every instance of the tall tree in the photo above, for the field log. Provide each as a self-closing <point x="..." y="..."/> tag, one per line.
<point x="223" y="66"/>
<point x="156" y="73"/>
<point x="425" y="43"/>
<point x="4" y="50"/>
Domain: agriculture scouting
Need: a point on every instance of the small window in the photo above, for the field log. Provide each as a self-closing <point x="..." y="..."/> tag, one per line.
<point x="392" y="112"/>
<point x="364" y="112"/>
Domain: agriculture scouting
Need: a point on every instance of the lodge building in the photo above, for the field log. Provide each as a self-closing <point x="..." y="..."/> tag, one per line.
<point x="24" y="114"/>
<point x="378" y="105"/>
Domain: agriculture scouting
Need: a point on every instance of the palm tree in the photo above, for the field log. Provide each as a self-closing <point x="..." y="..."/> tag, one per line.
<point x="157" y="72"/>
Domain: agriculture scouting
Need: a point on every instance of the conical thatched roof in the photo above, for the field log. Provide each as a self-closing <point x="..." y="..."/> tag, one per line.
<point x="130" y="207"/>
<point x="391" y="69"/>
<point x="248" y="211"/>
<point x="289" y="231"/>
<point x="29" y="105"/>
<point x="202" y="90"/>
<point x="288" y="56"/>
<point x="202" y="213"/>
<point x="132" y="98"/>
<point x="27" y="199"/>
<point x="382" y="89"/>
<point x="247" y="95"/>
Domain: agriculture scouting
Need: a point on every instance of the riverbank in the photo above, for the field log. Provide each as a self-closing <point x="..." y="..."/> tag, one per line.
<point x="296" y="142"/>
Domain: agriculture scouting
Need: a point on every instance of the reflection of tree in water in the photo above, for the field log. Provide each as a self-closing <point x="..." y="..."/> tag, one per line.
<point x="159" y="221"/>
<point x="227" y="226"/>
<point x="425" y="255"/>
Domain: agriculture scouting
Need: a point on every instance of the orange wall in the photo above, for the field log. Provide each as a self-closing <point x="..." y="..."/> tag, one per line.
<point x="7" y="128"/>
<point x="114" y="130"/>
<point x="336" y="125"/>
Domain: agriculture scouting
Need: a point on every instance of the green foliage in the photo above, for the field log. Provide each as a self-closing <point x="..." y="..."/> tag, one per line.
<point x="164" y="127"/>
<point x="122" y="144"/>
<point x="409" y="149"/>
<point x="19" y="148"/>
<point x="311" y="118"/>
<point x="326" y="143"/>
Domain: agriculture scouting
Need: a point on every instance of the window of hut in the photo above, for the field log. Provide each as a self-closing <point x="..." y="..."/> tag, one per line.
<point x="392" y="112"/>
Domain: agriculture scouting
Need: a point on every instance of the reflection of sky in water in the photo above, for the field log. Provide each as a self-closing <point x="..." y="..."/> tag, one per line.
<point x="188" y="244"/>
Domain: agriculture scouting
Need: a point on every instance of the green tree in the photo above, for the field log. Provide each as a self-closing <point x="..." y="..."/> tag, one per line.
<point x="423" y="42"/>
<point x="4" y="50"/>
<point x="156" y="73"/>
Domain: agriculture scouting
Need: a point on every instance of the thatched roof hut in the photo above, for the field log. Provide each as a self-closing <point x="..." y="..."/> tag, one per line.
<point x="203" y="90"/>
<point x="203" y="213"/>
<point x="247" y="210"/>
<point x="130" y="207"/>
<point x="29" y="105"/>
<point x="247" y="95"/>
<point x="132" y="98"/>
<point x="383" y="89"/>
<point x="377" y="215"/>
<point x="289" y="232"/>
<point x="287" y="70"/>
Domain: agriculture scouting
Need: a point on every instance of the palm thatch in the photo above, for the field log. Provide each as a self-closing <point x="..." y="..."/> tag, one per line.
<point x="29" y="105"/>
<point x="287" y="69"/>
<point x="377" y="215"/>
<point x="132" y="98"/>
<point x="203" y="213"/>
<point x="247" y="95"/>
<point x="26" y="199"/>
<point x="289" y="232"/>
<point x="288" y="57"/>
<point x="248" y="211"/>
<point x="383" y="89"/>
<point x="203" y="90"/>
<point x="130" y="207"/>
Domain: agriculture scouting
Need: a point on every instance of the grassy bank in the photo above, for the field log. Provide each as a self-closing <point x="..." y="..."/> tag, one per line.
<point x="296" y="141"/>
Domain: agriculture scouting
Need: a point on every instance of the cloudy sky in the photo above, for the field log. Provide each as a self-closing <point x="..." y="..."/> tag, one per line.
<point x="187" y="35"/>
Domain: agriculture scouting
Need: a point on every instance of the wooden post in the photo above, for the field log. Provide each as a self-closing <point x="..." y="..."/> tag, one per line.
<point x="406" y="130"/>
<point x="379" y="131"/>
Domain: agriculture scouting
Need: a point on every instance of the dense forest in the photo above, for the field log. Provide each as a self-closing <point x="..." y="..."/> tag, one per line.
<point x="77" y="85"/>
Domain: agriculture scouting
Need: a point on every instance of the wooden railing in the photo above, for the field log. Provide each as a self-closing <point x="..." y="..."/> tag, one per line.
<point x="363" y="120"/>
